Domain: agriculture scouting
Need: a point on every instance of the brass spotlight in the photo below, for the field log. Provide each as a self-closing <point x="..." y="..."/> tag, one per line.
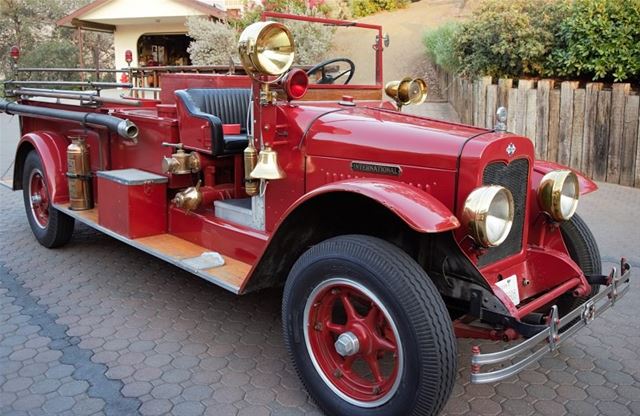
<point x="408" y="91"/>
<point x="266" y="48"/>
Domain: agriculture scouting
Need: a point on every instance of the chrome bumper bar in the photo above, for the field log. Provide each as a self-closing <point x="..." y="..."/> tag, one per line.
<point x="552" y="336"/>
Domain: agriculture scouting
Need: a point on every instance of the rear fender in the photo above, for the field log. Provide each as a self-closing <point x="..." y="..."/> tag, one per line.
<point x="541" y="168"/>
<point x="51" y="148"/>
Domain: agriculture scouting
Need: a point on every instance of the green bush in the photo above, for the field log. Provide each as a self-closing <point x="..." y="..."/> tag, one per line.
<point x="361" y="8"/>
<point x="440" y="46"/>
<point x="600" y="39"/>
<point x="509" y="38"/>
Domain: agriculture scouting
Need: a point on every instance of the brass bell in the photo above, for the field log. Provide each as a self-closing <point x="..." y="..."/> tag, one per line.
<point x="267" y="167"/>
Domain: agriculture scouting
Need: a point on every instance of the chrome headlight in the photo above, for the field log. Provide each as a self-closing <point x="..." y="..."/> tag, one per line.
<point x="488" y="214"/>
<point x="558" y="194"/>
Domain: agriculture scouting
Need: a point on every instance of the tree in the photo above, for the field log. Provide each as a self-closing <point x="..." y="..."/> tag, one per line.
<point x="31" y="25"/>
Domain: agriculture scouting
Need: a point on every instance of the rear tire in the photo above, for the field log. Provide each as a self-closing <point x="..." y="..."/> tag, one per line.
<point x="583" y="249"/>
<point x="51" y="227"/>
<point x="361" y="287"/>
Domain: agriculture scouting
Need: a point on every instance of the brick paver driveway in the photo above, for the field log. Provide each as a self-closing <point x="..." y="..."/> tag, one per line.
<point x="100" y="328"/>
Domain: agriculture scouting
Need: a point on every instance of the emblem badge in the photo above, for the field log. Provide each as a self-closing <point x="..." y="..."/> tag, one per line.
<point x="511" y="149"/>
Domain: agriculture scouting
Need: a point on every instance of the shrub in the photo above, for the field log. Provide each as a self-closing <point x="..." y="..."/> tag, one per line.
<point x="509" y="38"/>
<point x="600" y="39"/>
<point x="214" y="43"/>
<point x="440" y="45"/>
<point x="361" y="8"/>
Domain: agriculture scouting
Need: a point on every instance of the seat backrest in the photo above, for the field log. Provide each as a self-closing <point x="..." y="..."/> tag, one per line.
<point x="230" y="105"/>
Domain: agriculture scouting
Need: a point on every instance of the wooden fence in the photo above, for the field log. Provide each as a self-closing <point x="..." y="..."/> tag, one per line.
<point x="589" y="127"/>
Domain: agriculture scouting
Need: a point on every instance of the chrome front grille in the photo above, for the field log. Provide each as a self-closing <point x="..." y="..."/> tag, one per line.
<point x="514" y="177"/>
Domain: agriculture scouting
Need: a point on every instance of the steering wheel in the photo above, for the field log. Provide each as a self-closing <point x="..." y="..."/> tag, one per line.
<point x="330" y="79"/>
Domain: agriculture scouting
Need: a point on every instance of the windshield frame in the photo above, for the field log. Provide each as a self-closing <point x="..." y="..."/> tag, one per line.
<point x="378" y="47"/>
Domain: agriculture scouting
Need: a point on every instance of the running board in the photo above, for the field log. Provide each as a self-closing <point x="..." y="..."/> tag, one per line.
<point x="188" y="256"/>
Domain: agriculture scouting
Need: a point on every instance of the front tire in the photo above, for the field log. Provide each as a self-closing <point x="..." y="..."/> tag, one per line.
<point x="583" y="249"/>
<point x="367" y="330"/>
<point x="51" y="227"/>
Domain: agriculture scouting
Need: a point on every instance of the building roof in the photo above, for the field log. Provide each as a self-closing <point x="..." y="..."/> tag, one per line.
<point x="82" y="17"/>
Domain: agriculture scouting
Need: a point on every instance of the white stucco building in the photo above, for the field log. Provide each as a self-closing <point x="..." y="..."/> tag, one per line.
<point x="154" y="30"/>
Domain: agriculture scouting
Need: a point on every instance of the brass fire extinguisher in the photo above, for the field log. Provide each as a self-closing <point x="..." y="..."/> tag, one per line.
<point x="79" y="175"/>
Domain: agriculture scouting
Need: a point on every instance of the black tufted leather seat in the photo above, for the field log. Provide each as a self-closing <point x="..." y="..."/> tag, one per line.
<point x="220" y="106"/>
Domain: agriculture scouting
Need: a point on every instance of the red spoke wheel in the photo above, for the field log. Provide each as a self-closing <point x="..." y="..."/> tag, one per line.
<point x="353" y="342"/>
<point x="50" y="227"/>
<point x="39" y="198"/>
<point x="367" y="330"/>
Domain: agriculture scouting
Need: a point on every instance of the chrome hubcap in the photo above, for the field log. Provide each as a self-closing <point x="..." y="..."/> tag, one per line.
<point x="347" y="344"/>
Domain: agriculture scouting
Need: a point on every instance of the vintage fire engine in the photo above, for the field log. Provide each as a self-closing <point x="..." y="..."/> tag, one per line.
<point x="391" y="233"/>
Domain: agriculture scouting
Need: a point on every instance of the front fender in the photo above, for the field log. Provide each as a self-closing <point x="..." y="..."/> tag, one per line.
<point x="51" y="148"/>
<point x="542" y="167"/>
<point x="418" y="209"/>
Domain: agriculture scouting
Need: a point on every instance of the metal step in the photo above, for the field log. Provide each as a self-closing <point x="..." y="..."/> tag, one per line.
<point x="221" y="270"/>
<point x="244" y="211"/>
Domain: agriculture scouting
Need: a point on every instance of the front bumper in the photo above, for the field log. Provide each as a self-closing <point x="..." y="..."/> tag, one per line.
<point x="558" y="330"/>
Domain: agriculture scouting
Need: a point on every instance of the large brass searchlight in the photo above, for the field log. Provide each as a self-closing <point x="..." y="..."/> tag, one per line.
<point x="266" y="48"/>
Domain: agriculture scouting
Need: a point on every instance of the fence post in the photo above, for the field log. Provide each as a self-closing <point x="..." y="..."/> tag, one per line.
<point x="601" y="136"/>
<point x="480" y="100"/>
<point x="524" y="85"/>
<point x="530" y="124"/>
<point x="577" y="130"/>
<point x="492" y="106"/>
<point x="590" y="113"/>
<point x="467" y="104"/>
<point x="512" y="106"/>
<point x="566" y="120"/>
<point x="542" y="121"/>
<point x="504" y="86"/>
<point x="628" y="165"/>
<point x="618" y="97"/>
<point x="554" y="125"/>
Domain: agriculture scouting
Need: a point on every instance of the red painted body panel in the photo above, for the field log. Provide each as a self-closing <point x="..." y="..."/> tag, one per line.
<point x="51" y="148"/>
<point x="375" y="135"/>
<point x="421" y="211"/>
<point x="134" y="211"/>
<point x="147" y="154"/>
<point x="435" y="183"/>
<point x="204" y="229"/>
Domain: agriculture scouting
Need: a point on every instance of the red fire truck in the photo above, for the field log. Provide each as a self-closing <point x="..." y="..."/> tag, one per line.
<point x="390" y="233"/>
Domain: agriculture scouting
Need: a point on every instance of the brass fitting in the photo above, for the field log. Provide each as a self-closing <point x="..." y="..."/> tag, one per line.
<point x="189" y="199"/>
<point x="181" y="162"/>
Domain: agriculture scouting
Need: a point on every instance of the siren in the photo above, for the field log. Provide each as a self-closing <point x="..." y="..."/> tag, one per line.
<point x="408" y="91"/>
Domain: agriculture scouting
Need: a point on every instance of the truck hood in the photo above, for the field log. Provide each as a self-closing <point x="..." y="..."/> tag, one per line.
<point x="379" y="135"/>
